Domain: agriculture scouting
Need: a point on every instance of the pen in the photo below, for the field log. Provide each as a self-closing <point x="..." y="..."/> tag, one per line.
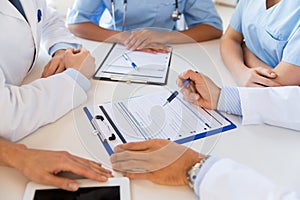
<point x="175" y="93"/>
<point x="126" y="57"/>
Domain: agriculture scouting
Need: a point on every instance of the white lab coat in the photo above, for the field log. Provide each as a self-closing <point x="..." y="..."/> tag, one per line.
<point x="25" y="108"/>
<point x="227" y="179"/>
<point x="277" y="106"/>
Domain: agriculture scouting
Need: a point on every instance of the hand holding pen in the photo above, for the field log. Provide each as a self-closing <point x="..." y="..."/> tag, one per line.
<point x="175" y="93"/>
<point x="201" y="91"/>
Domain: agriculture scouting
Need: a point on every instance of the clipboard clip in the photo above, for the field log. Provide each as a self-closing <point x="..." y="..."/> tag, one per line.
<point x="97" y="131"/>
<point x="128" y="80"/>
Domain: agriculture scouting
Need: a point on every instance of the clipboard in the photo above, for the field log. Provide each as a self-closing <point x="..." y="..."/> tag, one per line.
<point x="151" y="68"/>
<point x="143" y="117"/>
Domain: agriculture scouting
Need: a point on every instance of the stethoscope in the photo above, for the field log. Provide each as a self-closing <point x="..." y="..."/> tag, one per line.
<point x="175" y="15"/>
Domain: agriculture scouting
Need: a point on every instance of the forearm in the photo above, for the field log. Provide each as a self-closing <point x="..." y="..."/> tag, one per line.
<point x="9" y="152"/>
<point x="202" y="32"/>
<point x="251" y="60"/>
<point x="54" y="31"/>
<point x="232" y="56"/>
<point x="199" y="33"/>
<point x="258" y="105"/>
<point x="25" y="106"/>
<point x="92" y="31"/>
<point x="287" y="74"/>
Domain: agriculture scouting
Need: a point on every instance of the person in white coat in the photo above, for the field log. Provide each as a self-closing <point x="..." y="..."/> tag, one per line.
<point x="24" y="108"/>
<point x="165" y="162"/>
<point x="28" y="107"/>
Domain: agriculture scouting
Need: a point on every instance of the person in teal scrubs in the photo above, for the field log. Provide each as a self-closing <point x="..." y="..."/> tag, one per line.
<point x="261" y="45"/>
<point x="145" y="22"/>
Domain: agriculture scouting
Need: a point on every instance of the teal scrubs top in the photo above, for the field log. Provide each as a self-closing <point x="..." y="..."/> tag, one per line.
<point x="146" y="13"/>
<point x="273" y="34"/>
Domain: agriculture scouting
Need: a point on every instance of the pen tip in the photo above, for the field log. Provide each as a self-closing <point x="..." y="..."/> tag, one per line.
<point x="164" y="104"/>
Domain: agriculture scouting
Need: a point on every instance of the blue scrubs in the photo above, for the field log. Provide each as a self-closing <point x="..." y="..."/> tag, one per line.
<point x="146" y="13"/>
<point x="273" y="34"/>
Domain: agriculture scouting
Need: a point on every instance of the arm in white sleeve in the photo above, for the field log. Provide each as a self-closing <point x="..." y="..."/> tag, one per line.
<point x="227" y="179"/>
<point x="60" y="46"/>
<point x="278" y="106"/>
<point x="28" y="107"/>
<point x="55" y="32"/>
<point x="229" y="101"/>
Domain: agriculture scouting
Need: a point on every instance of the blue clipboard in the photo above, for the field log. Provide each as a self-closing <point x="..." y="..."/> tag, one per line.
<point x="107" y="142"/>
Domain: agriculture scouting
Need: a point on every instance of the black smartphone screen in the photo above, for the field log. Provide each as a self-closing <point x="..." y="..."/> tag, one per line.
<point x="86" y="193"/>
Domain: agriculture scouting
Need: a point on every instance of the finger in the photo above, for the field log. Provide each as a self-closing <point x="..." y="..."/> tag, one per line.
<point x="259" y="79"/>
<point x="130" y="166"/>
<point x="60" y="182"/>
<point x="163" y="50"/>
<point x="155" y="49"/>
<point x="188" y="90"/>
<point x="190" y="74"/>
<point x="71" y="164"/>
<point x="133" y="146"/>
<point x="266" y="72"/>
<point x="97" y="167"/>
<point x="54" y="64"/>
<point x="148" y="50"/>
<point x="266" y="82"/>
<point x="127" y="156"/>
<point x="138" y="38"/>
<point x="138" y="43"/>
<point x="45" y="73"/>
<point x="252" y="84"/>
<point x="86" y="170"/>
<point x="61" y="67"/>
<point x="191" y="100"/>
<point x="75" y="51"/>
<point x="143" y="43"/>
<point x="191" y="97"/>
<point x="130" y="40"/>
<point x="94" y="165"/>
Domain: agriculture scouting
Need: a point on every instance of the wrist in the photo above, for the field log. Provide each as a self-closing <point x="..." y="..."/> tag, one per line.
<point x="217" y="98"/>
<point x="194" y="170"/>
<point x="59" y="52"/>
<point x="172" y="37"/>
<point x="9" y="153"/>
<point x="119" y="37"/>
<point x="193" y="159"/>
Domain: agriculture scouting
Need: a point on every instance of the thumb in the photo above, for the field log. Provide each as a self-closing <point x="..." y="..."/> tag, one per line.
<point x="189" y="74"/>
<point x="60" y="182"/>
<point x="132" y="146"/>
<point x="266" y="72"/>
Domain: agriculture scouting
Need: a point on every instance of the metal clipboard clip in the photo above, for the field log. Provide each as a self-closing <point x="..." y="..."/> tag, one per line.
<point x="97" y="131"/>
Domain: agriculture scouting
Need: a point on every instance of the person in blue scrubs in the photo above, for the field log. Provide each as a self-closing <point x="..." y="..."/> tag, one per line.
<point x="145" y="22"/>
<point x="261" y="45"/>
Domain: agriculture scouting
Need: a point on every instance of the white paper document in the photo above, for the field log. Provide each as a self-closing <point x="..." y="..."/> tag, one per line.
<point x="143" y="117"/>
<point x="134" y="66"/>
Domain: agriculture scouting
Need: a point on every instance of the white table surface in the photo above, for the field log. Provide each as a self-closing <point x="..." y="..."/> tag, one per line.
<point x="270" y="150"/>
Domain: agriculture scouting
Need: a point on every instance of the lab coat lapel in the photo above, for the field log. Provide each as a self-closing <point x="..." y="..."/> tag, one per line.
<point x="31" y="9"/>
<point x="8" y="9"/>
<point x="31" y="14"/>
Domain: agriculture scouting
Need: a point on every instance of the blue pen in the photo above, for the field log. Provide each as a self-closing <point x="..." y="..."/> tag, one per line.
<point x="126" y="57"/>
<point x="175" y="93"/>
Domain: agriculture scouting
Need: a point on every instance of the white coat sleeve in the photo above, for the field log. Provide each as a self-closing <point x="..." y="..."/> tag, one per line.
<point x="28" y="107"/>
<point x="278" y="106"/>
<point x="54" y="30"/>
<point x="227" y="179"/>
